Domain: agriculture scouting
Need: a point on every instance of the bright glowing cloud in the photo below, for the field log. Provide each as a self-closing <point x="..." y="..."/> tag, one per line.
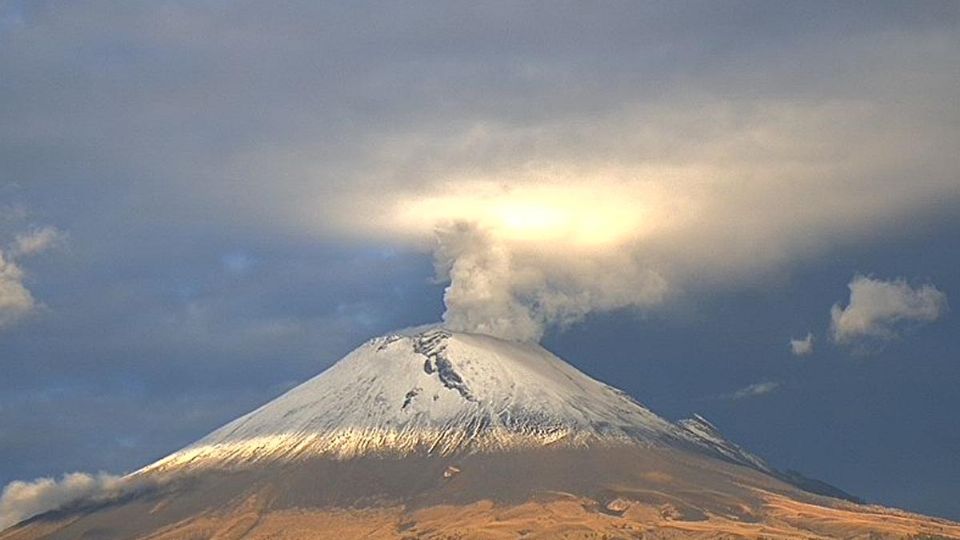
<point x="879" y="311"/>
<point x="581" y="212"/>
<point x="540" y="249"/>
<point x="647" y="204"/>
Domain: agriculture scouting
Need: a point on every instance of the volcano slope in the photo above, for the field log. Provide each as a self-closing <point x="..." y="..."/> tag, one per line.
<point x="448" y="435"/>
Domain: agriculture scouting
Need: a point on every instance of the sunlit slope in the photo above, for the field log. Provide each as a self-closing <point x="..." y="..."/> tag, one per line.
<point x="436" y="392"/>
<point x="438" y="434"/>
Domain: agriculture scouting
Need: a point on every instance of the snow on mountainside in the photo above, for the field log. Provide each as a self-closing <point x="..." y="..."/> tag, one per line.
<point x="710" y="437"/>
<point x="438" y="392"/>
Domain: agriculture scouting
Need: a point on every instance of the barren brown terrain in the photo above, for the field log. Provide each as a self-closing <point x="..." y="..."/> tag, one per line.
<point x="561" y="517"/>
<point x="628" y="492"/>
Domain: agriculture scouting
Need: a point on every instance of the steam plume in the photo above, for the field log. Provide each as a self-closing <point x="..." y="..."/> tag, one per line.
<point x="514" y="291"/>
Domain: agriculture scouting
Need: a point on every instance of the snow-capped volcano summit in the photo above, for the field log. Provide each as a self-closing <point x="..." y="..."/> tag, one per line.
<point x="436" y="434"/>
<point x="435" y="392"/>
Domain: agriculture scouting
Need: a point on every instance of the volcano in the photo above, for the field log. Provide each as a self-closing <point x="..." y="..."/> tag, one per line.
<point x="437" y="434"/>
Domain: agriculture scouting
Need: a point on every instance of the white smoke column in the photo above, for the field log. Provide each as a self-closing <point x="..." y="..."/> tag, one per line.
<point x="481" y="296"/>
<point x="515" y="290"/>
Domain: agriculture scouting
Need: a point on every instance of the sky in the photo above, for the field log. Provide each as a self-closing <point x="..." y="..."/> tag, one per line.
<point x="748" y="210"/>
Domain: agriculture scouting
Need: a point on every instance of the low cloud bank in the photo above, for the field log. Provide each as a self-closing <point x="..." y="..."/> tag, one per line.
<point x="22" y="500"/>
<point x="879" y="311"/>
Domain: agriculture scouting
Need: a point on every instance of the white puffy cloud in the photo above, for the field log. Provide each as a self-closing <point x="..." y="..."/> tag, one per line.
<point x="16" y="300"/>
<point x="21" y="500"/>
<point x="879" y="310"/>
<point x="803" y="346"/>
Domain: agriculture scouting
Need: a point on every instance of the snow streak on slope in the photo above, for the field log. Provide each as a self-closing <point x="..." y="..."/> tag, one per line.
<point x="708" y="436"/>
<point x="436" y="392"/>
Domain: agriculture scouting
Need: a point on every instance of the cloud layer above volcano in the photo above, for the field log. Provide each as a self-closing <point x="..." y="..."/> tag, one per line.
<point x="589" y="176"/>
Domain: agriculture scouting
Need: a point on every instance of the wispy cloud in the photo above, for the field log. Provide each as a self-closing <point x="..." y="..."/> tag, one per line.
<point x="36" y="241"/>
<point x="753" y="390"/>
